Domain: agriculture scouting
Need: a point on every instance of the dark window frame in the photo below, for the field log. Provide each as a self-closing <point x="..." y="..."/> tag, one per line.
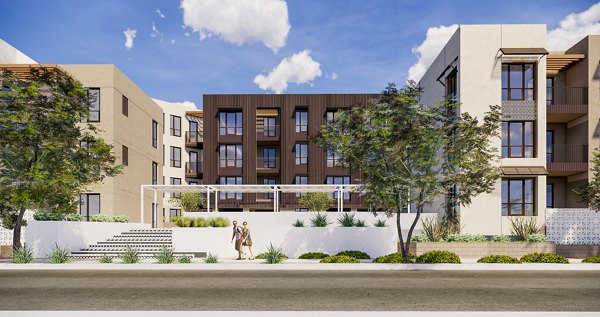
<point x="550" y="146"/>
<point x="524" y="92"/>
<point x="154" y="173"/>
<point x="301" y="160"/>
<point x="508" y="146"/>
<point x="508" y="205"/>
<point x="91" y="101"/>
<point x="155" y="134"/>
<point x="237" y="180"/>
<point x="125" y="106"/>
<point x="550" y="200"/>
<point x="331" y="180"/>
<point x="174" y="131"/>
<point x="550" y="91"/>
<point x="301" y="118"/>
<point x="225" y="160"/>
<point x="87" y="204"/>
<point x="173" y="161"/>
<point x="269" y="161"/>
<point x="124" y="155"/>
<point x="333" y="158"/>
<point x="225" y="127"/>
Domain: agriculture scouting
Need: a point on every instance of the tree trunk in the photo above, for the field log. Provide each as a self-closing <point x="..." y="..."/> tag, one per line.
<point x="414" y="224"/>
<point x="17" y="229"/>
<point x="403" y="250"/>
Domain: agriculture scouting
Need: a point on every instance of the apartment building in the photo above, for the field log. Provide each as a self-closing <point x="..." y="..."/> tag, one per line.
<point x="265" y="139"/>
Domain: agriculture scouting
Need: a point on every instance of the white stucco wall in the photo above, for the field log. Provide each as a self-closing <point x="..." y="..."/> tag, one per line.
<point x="11" y="55"/>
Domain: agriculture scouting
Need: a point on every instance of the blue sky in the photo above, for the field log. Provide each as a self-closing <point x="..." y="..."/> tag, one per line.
<point x="365" y="43"/>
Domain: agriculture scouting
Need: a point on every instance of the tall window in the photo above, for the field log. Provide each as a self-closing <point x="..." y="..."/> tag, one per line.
<point x="301" y="121"/>
<point x="230" y="123"/>
<point x="154" y="134"/>
<point x="331" y="115"/>
<point x="175" y="125"/>
<point x="549" y="195"/>
<point x="125" y="155"/>
<point x="270" y="127"/>
<point x="301" y="153"/>
<point x="339" y="180"/>
<point x="517" y="82"/>
<point x="518" y="197"/>
<point x="269" y="157"/>
<point x="451" y="85"/>
<point x="230" y="155"/>
<point x="549" y="91"/>
<point x="333" y="158"/>
<point x="175" y="156"/>
<point x="94" y="96"/>
<point x="175" y="181"/>
<point x="89" y="205"/>
<point x="125" y="106"/>
<point x="154" y="173"/>
<point x="550" y="146"/>
<point x="301" y="180"/>
<point x="517" y="139"/>
<point x="231" y="181"/>
<point x="269" y="181"/>
<point x="174" y="212"/>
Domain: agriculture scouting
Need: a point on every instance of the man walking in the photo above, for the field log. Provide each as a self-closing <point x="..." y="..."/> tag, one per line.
<point x="237" y="235"/>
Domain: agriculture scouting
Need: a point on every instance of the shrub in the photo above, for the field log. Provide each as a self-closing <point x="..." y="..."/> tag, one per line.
<point x="47" y="216"/>
<point x="355" y="254"/>
<point x="175" y="219"/>
<point x="274" y="255"/>
<point x="536" y="237"/>
<point x="73" y="217"/>
<point x="22" y="255"/>
<point x="419" y="238"/>
<point x="99" y="218"/>
<point x="220" y="222"/>
<point x="591" y="259"/>
<point x="394" y="258"/>
<point x="361" y="223"/>
<point x="130" y="256"/>
<point x="339" y="259"/>
<point x="544" y="258"/>
<point x="183" y="222"/>
<point x="165" y="255"/>
<point x="298" y="223"/>
<point x="211" y="258"/>
<point x="105" y="259"/>
<point x="523" y="226"/>
<point x="457" y="237"/>
<point x="438" y="256"/>
<point x="501" y="238"/>
<point x="499" y="259"/>
<point x="58" y="255"/>
<point x="120" y="218"/>
<point x="347" y="219"/>
<point x="188" y="201"/>
<point x="200" y="222"/>
<point x="380" y="223"/>
<point x="316" y="201"/>
<point x="438" y="229"/>
<point x="263" y="256"/>
<point x="313" y="255"/>
<point x="319" y="220"/>
<point x="184" y="259"/>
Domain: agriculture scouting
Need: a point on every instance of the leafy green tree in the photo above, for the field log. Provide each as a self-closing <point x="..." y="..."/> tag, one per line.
<point x="590" y="193"/>
<point x="48" y="156"/>
<point x="410" y="152"/>
<point x="188" y="201"/>
<point x="316" y="201"/>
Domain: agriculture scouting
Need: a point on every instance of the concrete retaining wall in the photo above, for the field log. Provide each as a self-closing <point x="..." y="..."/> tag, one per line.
<point x="577" y="251"/>
<point x="481" y="249"/>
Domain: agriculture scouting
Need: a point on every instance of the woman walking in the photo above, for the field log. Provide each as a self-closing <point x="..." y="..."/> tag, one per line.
<point x="247" y="239"/>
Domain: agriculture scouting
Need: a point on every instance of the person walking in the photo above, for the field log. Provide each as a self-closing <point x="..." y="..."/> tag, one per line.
<point x="247" y="239"/>
<point x="237" y="236"/>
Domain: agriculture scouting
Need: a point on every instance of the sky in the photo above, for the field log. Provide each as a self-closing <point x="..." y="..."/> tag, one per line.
<point x="179" y="50"/>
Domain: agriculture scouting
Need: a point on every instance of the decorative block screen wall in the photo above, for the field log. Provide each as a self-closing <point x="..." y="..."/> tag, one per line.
<point x="573" y="226"/>
<point x="6" y="236"/>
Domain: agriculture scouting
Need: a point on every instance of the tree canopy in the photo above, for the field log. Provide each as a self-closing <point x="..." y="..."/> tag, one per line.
<point x="590" y="193"/>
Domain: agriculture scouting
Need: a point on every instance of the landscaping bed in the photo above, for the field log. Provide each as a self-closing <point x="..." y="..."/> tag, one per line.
<point x="481" y="249"/>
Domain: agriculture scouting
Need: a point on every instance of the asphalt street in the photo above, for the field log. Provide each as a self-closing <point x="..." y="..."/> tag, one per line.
<point x="301" y="290"/>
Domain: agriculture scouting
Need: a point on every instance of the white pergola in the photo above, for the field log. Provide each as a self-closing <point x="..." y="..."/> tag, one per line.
<point x="276" y="190"/>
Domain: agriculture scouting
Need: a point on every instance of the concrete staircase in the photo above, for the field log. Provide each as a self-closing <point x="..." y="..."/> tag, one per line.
<point x="147" y="242"/>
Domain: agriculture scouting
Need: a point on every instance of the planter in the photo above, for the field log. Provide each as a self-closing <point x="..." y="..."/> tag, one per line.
<point x="481" y="249"/>
<point x="6" y="251"/>
<point x="577" y="251"/>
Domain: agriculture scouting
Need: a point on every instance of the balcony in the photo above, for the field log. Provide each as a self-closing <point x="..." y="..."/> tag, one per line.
<point x="193" y="139"/>
<point x="267" y="165"/>
<point x="193" y="169"/>
<point x="564" y="104"/>
<point x="268" y="133"/>
<point x="567" y="159"/>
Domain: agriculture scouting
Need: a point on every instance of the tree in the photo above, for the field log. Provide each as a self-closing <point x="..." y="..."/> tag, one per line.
<point x="48" y="156"/>
<point x="188" y="201"/>
<point x="590" y="194"/>
<point x="316" y="201"/>
<point x="410" y="152"/>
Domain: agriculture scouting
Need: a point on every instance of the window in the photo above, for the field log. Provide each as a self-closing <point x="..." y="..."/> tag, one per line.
<point x="270" y="127"/>
<point x="269" y="157"/>
<point x="175" y="125"/>
<point x="154" y="173"/>
<point x="231" y="181"/>
<point x="94" y="96"/>
<point x="339" y="180"/>
<point x="154" y="134"/>
<point x="517" y="82"/>
<point x="175" y="156"/>
<point x="230" y="155"/>
<point x="549" y="146"/>
<point x="333" y="159"/>
<point x="173" y="212"/>
<point x="549" y="91"/>
<point x="300" y="180"/>
<point x="451" y="85"/>
<point x="269" y="181"/>
<point x="301" y="121"/>
<point x="301" y="153"/>
<point x="230" y="123"/>
<point x="518" y="197"/>
<point x="175" y="181"/>
<point x="192" y="183"/>
<point x="89" y="205"/>
<point x="331" y="115"/>
<point x="549" y="195"/>
<point x="125" y="106"/>
<point x="517" y="139"/>
<point x="301" y="210"/>
<point x="125" y="155"/>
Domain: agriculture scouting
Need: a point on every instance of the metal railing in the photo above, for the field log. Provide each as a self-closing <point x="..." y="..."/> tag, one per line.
<point x="193" y="167"/>
<point x="267" y="163"/>
<point x="267" y="131"/>
<point x="193" y="137"/>
<point x="566" y="96"/>
<point x="567" y="153"/>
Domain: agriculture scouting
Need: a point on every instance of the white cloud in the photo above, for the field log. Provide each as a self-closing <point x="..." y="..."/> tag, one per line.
<point x="174" y="105"/>
<point x="575" y="27"/>
<point x="239" y="22"/>
<point x="155" y="32"/>
<point x="160" y="14"/>
<point x="129" y="36"/>
<point x="172" y="41"/>
<point x="187" y="34"/>
<point x="334" y="76"/>
<point x="300" y="68"/>
<point x="428" y="50"/>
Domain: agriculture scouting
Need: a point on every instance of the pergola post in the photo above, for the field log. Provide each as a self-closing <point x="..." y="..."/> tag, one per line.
<point x="216" y="200"/>
<point x="342" y="198"/>
<point x="142" y="204"/>
<point x="207" y="199"/>
<point x="154" y="215"/>
<point x="274" y="199"/>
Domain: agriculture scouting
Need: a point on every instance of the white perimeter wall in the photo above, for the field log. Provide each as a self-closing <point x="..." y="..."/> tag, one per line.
<point x="573" y="226"/>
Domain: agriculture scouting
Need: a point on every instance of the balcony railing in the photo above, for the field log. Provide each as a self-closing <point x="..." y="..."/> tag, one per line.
<point x="567" y="159"/>
<point x="567" y="96"/>
<point x="267" y="132"/>
<point x="193" y="137"/>
<point x="193" y="169"/>
<point x="267" y="164"/>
